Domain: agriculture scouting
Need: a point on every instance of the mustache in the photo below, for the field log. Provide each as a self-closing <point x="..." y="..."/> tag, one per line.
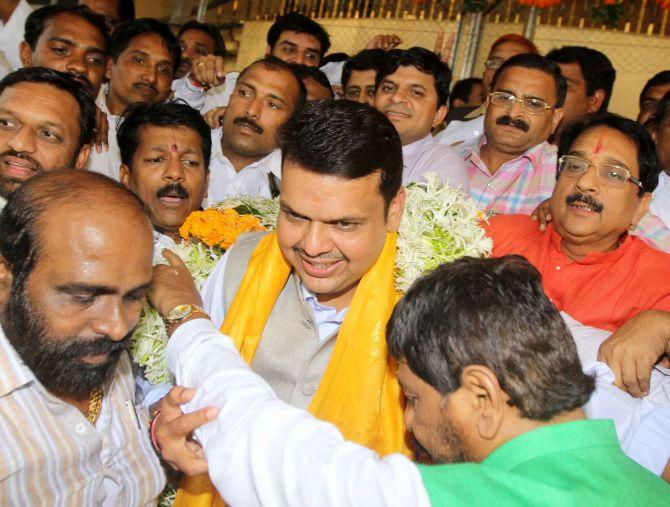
<point x="172" y="188"/>
<point x="100" y="345"/>
<point x="23" y="156"/>
<point x="323" y="257"/>
<point x="584" y="199"/>
<point x="249" y="123"/>
<point x="82" y="77"/>
<point x="516" y="122"/>
<point x="144" y="84"/>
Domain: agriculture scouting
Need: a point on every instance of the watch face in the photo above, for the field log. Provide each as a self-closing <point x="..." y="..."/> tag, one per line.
<point x="179" y="312"/>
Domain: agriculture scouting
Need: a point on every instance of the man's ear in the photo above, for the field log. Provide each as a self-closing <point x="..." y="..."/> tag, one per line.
<point x="82" y="157"/>
<point x="596" y="101"/>
<point x="486" y="398"/>
<point x="395" y="211"/>
<point x="6" y="280"/>
<point x="25" y="54"/>
<point x="108" y="68"/>
<point x="124" y="175"/>
<point x="556" y="119"/>
<point x="642" y="208"/>
<point x="440" y="115"/>
<point x="268" y="50"/>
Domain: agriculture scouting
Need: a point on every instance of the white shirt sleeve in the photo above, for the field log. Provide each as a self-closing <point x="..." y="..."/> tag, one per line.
<point x="642" y="424"/>
<point x="212" y="292"/>
<point x="189" y="92"/>
<point x="262" y="451"/>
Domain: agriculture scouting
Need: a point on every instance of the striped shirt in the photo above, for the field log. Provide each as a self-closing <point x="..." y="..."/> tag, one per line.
<point x="52" y="455"/>
<point x="654" y="228"/>
<point x="518" y="186"/>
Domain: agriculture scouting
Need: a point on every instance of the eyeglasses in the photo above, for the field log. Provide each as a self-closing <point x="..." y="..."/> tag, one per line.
<point x="611" y="175"/>
<point x="507" y="100"/>
<point x="494" y="63"/>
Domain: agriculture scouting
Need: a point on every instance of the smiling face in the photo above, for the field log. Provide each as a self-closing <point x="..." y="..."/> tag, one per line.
<point x="194" y="43"/>
<point x="409" y="100"/>
<point x="261" y="102"/>
<point x="332" y="230"/>
<point x="296" y="47"/>
<point x="40" y="138"/>
<point x="168" y="174"/>
<point x="511" y="130"/>
<point x="71" y="319"/>
<point x="588" y="213"/>
<point x="361" y="86"/>
<point x="70" y="44"/>
<point x="143" y="72"/>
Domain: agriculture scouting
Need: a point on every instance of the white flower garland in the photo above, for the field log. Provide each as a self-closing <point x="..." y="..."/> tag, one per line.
<point x="440" y="224"/>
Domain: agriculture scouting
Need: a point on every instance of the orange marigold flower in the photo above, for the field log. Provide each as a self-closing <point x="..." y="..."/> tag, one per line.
<point x="218" y="227"/>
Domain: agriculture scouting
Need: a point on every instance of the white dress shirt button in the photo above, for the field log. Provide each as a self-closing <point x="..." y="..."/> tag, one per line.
<point x="308" y="389"/>
<point x="81" y="428"/>
<point x="558" y="268"/>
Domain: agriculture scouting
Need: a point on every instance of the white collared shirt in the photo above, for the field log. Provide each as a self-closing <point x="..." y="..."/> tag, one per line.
<point x="462" y="135"/>
<point x="425" y="155"/>
<point x="328" y="320"/>
<point x="252" y="180"/>
<point x="11" y="35"/>
<point x="108" y="162"/>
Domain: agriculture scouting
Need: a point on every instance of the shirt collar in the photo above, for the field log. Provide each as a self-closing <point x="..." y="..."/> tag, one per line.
<point x="594" y="257"/>
<point x="310" y="298"/>
<point x="534" y="155"/>
<point x="15" y="373"/>
<point x="217" y="152"/>
<point x="553" y="439"/>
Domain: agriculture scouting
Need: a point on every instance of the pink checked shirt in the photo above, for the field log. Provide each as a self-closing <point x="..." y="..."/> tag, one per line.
<point x="518" y="186"/>
<point x="654" y="228"/>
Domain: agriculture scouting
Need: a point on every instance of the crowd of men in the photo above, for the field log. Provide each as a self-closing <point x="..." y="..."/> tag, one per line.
<point x="538" y="376"/>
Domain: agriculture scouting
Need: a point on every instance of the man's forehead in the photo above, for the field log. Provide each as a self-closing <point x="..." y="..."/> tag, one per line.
<point x="150" y="43"/>
<point x="508" y="49"/>
<point x="656" y="92"/>
<point x="300" y="38"/>
<point x="610" y="145"/>
<point x="49" y="102"/>
<point x="526" y="82"/>
<point x="200" y="37"/>
<point x="270" y="81"/>
<point x="70" y="23"/>
<point x="179" y="137"/>
<point x="571" y="71"/>
<point x="411" y="75"/>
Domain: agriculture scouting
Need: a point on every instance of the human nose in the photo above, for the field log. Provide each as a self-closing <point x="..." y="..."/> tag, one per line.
<point x="316" y="240"/>
<point x="22" y="141"/>
<point x="588" y="180"/>
<point x="77" y="63"/>
<point x="174" y="170"/>
<point x="150" y="74"/>
<point x="516" y="108"/>
<point x="112" y="321"/>
<point x="254" y="108"/>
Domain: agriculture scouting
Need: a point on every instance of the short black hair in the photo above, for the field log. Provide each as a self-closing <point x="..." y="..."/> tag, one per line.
<point x="36" y="21"/>
<point x="425" y="61"/>
<point x="368" y="59"/>
<point x="126" y="10"/>
<point x="276" y="64"/>
<point x="66" y="83"/>
<point x="462" y="89"/>
<point x="598" y="72"/>
<point x="344" y="139"/>
<point x="130" y="29"/>
<point x="305" y="71"/>
<point x="296" y="22"/>
<point x="646" y="149"/>
<point x="161" y="114"/>
<point x="541" y="63"/>
<point x="20" y="219"/>
<point x="211" y="30"/>
<point x="660" y="79"/>
<point x="334" y="58"/>
<point x="493" y="313"/>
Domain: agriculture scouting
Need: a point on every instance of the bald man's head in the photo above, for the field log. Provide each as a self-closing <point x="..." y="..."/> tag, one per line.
<point x="39" y="207"/>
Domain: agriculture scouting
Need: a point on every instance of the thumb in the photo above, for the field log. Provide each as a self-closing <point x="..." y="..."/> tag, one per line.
<point x="173" y="259"/>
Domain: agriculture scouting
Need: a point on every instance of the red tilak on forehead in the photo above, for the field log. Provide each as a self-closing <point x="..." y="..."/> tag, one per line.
<point x="599" y="144"/>
<point x="174" y="148"/>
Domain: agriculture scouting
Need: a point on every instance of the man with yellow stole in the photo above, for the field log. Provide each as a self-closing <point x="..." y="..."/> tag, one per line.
<point x="307" y="305"/>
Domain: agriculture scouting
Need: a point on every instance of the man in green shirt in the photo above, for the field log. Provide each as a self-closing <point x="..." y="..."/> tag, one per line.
<point x="493" y="388"/>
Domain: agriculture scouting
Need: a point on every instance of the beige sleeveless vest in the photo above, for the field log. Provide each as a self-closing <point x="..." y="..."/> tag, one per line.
<point x="289" y="356"/>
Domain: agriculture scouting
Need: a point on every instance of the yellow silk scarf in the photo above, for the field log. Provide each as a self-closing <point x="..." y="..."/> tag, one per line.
<point x="359" y="392"/>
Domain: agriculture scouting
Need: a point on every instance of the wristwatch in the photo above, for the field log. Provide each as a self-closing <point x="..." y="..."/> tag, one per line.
<point x="181" y="312"/>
